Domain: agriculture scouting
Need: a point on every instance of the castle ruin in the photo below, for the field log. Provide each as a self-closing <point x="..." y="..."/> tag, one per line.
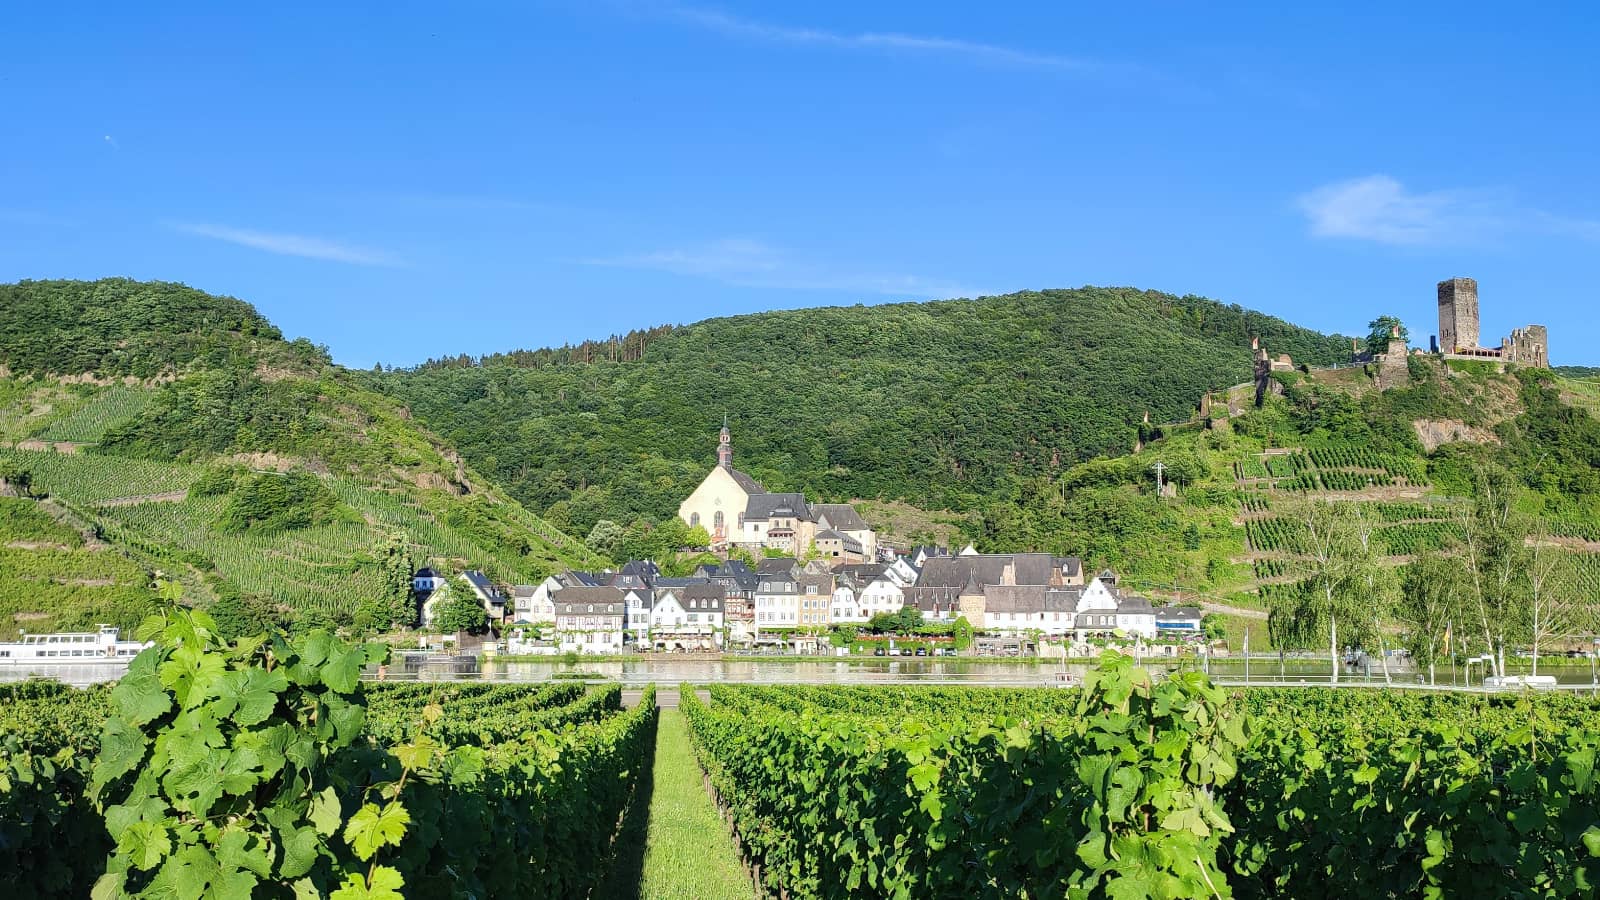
<point x="1458" y="331"/>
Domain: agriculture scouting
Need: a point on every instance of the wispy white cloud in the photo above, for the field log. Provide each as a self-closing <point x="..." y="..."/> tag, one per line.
<point x="1380" y="208"/>
<point x="291" y="244"/>
<point x="749" y="263"/>
<point x="765" y="31"/>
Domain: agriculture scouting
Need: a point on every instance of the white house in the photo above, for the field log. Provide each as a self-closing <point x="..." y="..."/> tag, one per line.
<point x="479" y="586"/>
<point x="689" y="617"/>
<point x="589" y="619"/>
<point x="777" y="602"/>
<point x="865" y="590"/>
<point x="535" y="602"/>
<point x="638" y="603"/>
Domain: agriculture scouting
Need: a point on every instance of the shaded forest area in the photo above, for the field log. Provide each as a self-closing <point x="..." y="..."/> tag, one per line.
<point x="943" y="404"/>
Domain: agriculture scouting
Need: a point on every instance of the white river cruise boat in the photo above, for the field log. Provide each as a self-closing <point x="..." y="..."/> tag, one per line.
<point x="70" y="648"/>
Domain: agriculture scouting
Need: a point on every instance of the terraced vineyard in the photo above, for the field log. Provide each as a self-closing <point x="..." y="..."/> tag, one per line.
<point x="56" y="580"/>
<point x="144" y="506"/>
<point x="1139" y="790"/>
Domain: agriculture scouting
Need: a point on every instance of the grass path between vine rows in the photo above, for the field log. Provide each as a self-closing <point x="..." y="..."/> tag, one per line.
<point x="674" y="845"/>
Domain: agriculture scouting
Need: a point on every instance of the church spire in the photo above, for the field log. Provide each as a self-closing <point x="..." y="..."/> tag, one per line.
<point x="725" y="446"/>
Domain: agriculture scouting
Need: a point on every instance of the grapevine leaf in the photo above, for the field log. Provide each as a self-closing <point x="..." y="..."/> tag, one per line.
<point x="1591" y="840"/>
<point x="239" y="849"/>
<point x="325" y="813"/>
<point x="371" y="828"/>
<point x="342" y="671"/>
<point x="145" y="844"/>
<point x="139" y="696"/>
<point x="300" y="852"/>
<point x="121" y="749"/>
<point x="386" y="885"/>
<point x="250" y="695"/>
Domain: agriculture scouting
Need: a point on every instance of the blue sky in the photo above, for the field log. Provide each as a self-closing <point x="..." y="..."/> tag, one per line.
<point x="402" y="181"/>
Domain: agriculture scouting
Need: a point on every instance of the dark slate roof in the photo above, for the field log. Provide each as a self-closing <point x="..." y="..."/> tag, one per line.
<point x="677" y="582"/>
<point x="642" y="567"/>
<point x="863" y="572"/>
<point x="590" y="579"/>
<point x="1128" y="606"/>
<point x="1071" y="566"/>
<point x="775" y="565"/>
<point x="425" y="572"/>
<point x="750" y="485"/>
<point x="574" y="601"/>
<point x="481" y="582"/>
<point x="841" y="516"/>
<point x="780" y="583"/>
<point x="928" y="550"/>
<point x="823" y="583"/>
<point x="958" y="571"/>
<point x="932" y="599"/>
<point x="706" y="596"/>
<point x="828" y="534"/>
<point x="761" y="507"/>
<point x="1177" y="613"/>
<point x="1013" y="598"/>
<point x="1033" y="568"/>
<point x="1062" y="599"/>
<point x="520" y="591"/>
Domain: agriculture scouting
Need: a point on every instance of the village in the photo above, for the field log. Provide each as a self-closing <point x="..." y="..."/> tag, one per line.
<point x="822" y="583"/>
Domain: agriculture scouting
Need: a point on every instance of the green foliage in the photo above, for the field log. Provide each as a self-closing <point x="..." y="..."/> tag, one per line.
<point x="268" y="502"/>
<point x="122" y="327"/>
<point x="961" y="633"/>
<point x="1107" y="792"/>
<point x="1381" y="330"/>
<point x="459" y="612"/>
<point x="943" y="404"/>
<point x="216" y="772"/>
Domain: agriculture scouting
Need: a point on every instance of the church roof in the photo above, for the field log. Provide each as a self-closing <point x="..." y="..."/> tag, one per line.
<point x="750" y="485"/>
<point x="764" y="506"/>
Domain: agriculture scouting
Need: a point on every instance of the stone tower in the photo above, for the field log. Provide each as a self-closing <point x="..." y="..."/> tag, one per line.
<point x="725" y="447"/>
<point x="1458" y="314"/>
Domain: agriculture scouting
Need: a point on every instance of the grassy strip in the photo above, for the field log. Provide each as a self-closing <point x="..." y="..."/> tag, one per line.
<point x="688" y="850"/>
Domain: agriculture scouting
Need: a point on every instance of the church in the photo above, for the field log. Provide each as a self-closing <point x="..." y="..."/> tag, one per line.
<point x="737" y="511"/>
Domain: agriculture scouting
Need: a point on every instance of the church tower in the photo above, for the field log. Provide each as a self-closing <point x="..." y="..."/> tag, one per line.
<point x="725" y="447"/>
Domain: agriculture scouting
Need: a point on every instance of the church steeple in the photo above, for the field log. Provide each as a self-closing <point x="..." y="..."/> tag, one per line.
<point x="725" y="446"/>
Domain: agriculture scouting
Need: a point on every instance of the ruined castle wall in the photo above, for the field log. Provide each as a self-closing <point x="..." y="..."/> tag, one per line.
<point x="1528" y="346"/>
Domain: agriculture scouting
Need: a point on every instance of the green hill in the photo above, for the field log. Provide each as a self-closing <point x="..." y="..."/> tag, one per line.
<point x="182" y="430"/>
<point x="1408" y="455"/>
<point x="946" y="405"/>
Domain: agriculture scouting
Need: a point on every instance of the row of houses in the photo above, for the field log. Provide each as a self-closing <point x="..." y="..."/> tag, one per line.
<point x="1022" y="593"/>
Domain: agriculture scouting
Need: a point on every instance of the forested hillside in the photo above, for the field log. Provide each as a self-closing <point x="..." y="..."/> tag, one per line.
<point x="946" y="404"/>
<point x="180" y="431"/>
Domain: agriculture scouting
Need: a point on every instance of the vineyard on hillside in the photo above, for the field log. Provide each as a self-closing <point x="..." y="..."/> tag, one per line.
<point x="1128" y="789"/>
<point x="146" y="507"/>
<point x="520" y="795"/>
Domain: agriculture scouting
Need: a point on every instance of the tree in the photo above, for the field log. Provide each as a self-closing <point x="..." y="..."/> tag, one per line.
<point x="961" y="633"/>
<point x="1552" y="606"/>
<point x="1331" y="593"/>
<point x="1376" y="579"/>
<point x="460" y="613"/>
<point x="1494" y="558"/>
<point x="396" y="567"/>
<point x="605" y="537"/>
<point x="17" y="477"/>
<point x="697" y="537"/>
<point x="1429" y="606"/>
<point x="244" y="615"/>
<point x="1213" y="628"/>
<point x="1381" y="331"/>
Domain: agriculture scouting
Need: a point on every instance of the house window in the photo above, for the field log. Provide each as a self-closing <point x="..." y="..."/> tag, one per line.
<point x="741" y="520"/>
<point x="694" y="519"/>
<point x="718" y="520"/>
